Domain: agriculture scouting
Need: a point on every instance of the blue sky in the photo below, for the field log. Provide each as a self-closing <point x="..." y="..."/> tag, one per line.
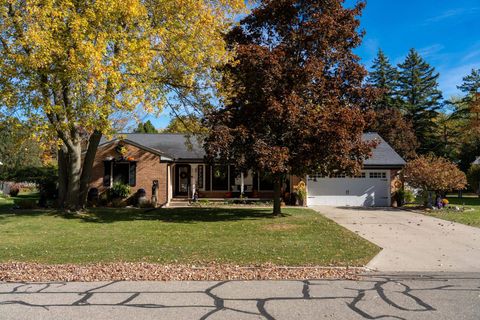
<point x="445" y="32"/>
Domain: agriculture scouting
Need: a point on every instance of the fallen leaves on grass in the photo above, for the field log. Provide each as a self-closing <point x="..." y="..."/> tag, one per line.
<point x="33" y="272"/>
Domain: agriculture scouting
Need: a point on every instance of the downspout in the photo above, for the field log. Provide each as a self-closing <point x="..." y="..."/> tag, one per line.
<point x="168" y="183"/>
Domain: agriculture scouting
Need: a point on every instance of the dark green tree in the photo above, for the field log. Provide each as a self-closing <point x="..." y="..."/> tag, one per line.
<point x="420" y="98"/>
<point x="389" y="121"/>
<point x="188" y="124"/>
<point x="145" y="127"/>
<point x="384" y="76"/>
<point x="18" y="149"/>
<point x="471" y="83"/>
<point x="467" y="111"/>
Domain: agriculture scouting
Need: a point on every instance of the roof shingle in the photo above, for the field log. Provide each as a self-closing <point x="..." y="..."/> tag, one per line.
<point x="180" y="147"/>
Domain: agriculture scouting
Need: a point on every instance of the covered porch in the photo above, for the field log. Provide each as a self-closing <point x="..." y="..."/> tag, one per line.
<point x="219" y="182"/>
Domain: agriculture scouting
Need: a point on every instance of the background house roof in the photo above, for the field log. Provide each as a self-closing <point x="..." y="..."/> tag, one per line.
<point x="180" y="147"/>
<point x="477" y="161"/>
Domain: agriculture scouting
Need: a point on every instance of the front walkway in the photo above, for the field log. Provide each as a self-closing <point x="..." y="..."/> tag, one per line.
<point x="411" y="241"/>
<point x="399" y="296"/>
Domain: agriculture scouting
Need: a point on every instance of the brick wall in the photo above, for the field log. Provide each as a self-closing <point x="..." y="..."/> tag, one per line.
<point x="149" y="168"/>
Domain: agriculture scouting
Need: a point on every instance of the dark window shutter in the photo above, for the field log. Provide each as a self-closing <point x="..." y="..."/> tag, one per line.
<point x="132" y="174"/>
<point x="208" y="175"/>
<point x="200" y="177"/>
<point x="232" y="178"/>
<point x="107" y="165"/>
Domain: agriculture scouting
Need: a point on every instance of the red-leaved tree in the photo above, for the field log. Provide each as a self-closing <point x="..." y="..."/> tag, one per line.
<point x="431" y="173"/>
<point x="298" y="104"/>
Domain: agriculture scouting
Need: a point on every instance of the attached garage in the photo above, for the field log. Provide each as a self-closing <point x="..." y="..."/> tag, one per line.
<point x="372" y="188"/>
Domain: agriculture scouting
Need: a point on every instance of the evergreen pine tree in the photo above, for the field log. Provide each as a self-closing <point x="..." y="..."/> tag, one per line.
<point x="467" y="111"/>
<point x="384" y="76"/>
<point x="471" y="83"/>
<point x="468" y="108"/>
<point x="146" y="127"/>
<point x="420" y="98"/>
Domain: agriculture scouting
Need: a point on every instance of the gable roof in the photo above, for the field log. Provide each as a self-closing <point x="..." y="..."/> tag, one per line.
<point x="172" y="145"/>
<point x="383" y="155"/>
<point x="477" y="161"/>
<point x="179" y="147"/>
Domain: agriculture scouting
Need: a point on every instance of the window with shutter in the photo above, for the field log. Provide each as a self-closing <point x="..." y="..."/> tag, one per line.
<point x="107" y="172"/>
<point x="132" y="177"/>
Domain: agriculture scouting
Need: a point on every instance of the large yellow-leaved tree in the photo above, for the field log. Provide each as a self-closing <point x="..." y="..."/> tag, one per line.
<point x="69" y="66"/>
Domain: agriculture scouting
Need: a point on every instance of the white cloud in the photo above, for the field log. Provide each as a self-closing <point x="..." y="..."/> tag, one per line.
<point x="453" y="77"/>
<point x="429" y="51"/>
<point x="451" y="14"/>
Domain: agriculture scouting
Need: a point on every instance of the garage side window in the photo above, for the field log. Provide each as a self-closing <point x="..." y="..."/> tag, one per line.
<point x="378" y="175"/>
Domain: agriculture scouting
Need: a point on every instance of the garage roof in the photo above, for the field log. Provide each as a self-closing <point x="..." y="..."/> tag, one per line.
<point x="180" y="147"/>
<point x="383" y="155"/>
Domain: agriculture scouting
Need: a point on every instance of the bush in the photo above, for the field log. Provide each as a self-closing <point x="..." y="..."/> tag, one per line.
<point x="14" y="190"/>
<point x="119" y="203"/>
<point x="404" y="196"/>
<point x="144" y="203"/>
<point x="473" y="176"/>
<point x="103" y="199"/>
<point x="26" y="204"/>
<point x="119" y="191"/>
<point x="46" y="178"/>
<point x="409" y="196"/>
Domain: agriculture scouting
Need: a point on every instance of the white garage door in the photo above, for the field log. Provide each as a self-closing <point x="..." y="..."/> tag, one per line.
<point x="371" y="188"/>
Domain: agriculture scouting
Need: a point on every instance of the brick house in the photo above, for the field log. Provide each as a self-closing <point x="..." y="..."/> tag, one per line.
<point x="175" y="164"/>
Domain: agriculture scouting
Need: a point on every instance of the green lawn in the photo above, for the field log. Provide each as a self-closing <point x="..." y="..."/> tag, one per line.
<point x="182" y="235"/>
<point x="468" y="217"/>
<point x="6" y="203"/>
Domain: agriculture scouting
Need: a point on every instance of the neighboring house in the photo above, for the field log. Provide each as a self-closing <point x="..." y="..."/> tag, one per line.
<point x="176" y="165"/>
<point x="477" y="161"/>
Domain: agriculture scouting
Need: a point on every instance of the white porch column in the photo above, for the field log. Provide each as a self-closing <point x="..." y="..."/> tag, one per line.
<point x="242" y="184"/>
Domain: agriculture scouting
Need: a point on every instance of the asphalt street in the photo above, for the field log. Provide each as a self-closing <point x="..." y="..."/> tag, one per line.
<point x="375" y="296"/>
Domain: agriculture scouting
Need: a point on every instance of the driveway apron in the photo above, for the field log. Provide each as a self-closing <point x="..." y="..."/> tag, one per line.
<point x="411" y="241"/>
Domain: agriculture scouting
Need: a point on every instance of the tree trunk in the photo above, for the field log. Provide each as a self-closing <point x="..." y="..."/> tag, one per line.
<point x="93" y="143"/>
<point x="62" y="176"/>
<point x="74" y="170"/>
<point x="277" y="193"/>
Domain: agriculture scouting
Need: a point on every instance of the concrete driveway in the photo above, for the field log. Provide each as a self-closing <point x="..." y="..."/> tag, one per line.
<point x="411" y="241"/>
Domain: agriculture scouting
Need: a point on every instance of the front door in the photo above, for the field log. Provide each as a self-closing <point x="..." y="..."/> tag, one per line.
<point x="182" y="179"/>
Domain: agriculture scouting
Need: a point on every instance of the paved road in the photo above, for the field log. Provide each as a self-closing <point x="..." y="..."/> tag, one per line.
<point x="412" y="241"/>
<point x="399" y="296"/>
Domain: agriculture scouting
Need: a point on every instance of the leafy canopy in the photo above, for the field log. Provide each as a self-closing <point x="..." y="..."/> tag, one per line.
<point x="188" y="124"/>
<point x="18" y="149"/>
<point x="69" y="64"/>
<point x="431" y="173"/>
<point x="299" y="100"/>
